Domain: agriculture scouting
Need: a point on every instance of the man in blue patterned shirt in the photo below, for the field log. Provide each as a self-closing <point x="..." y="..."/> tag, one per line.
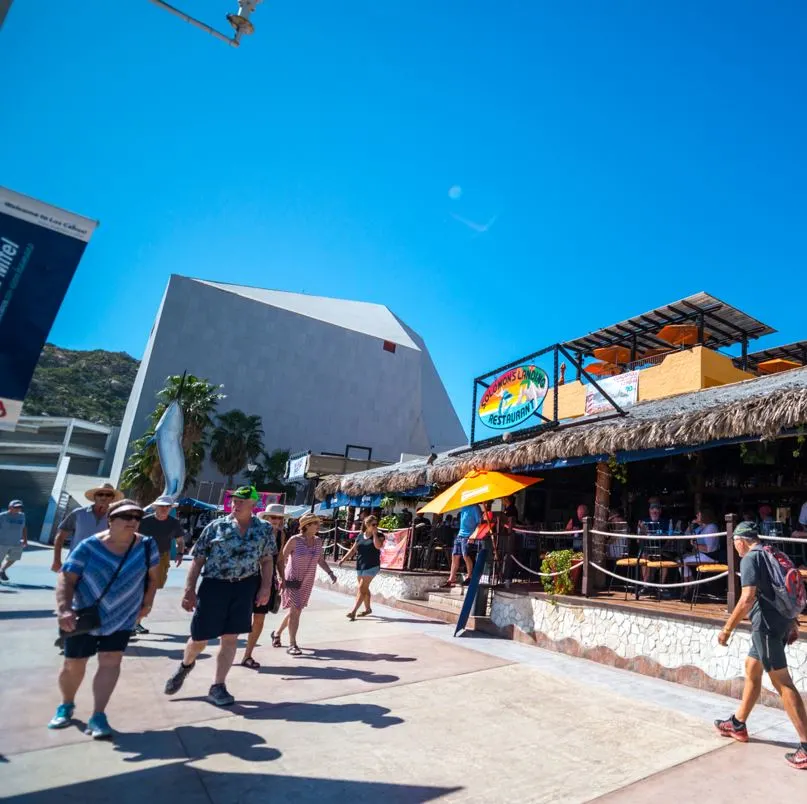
<point x="234" y="555"/>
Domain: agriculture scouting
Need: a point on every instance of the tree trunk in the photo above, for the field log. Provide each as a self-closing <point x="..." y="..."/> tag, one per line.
<point x="602" y="506"/>
<point x="230" y="482"/>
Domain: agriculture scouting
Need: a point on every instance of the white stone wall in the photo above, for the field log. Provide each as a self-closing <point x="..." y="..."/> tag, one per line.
<point x="386" y="586"/>
<point x="671" y="643"/>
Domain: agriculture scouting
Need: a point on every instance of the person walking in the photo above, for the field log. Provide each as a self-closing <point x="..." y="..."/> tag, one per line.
<point x="235" y="552"/>
<point x="470" y="517"/>
<point x="106" y="583"/>
<point x="367" y="549"/>
<point x="165" y="530"/>
<point x="771" y="631"/>
<point x="298" y="568"/>
<point x="275" y="515"/>
<point x="13" y="536"/>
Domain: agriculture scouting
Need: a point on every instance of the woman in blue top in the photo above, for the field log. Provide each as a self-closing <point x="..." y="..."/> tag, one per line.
<point x="367" y="549"/>
<point x="116" y="570"/>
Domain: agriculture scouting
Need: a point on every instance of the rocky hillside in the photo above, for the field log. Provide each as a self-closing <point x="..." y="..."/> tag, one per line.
<point x="87" y="385"/>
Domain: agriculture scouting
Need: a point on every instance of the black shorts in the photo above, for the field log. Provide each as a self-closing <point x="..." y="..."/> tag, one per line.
<point x="85" y="645"/>
<point x="270" y="606"/>
<point x="769" y="649"/>
<point x="223" y="607"/>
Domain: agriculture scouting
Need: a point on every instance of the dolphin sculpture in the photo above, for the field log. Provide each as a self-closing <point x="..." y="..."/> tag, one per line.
<point x="168" y="437"/>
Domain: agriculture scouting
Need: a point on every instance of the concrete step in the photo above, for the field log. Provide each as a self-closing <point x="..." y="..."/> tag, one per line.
<point x="425" y="609"/>
<point x="446" y="600"/>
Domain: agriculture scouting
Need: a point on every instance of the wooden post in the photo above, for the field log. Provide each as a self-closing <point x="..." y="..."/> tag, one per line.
<point x="732" y="562"/>
<point x="602" y="506"/>
<point x="588" y="575"/>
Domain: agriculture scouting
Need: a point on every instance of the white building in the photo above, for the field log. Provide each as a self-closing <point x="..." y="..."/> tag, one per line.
<point x="322" y="373"/>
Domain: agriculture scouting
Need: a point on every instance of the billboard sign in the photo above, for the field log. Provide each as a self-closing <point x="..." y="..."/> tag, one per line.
<point x="623" y="389"/>
<point x="513" y="397"/>
<point x="40" y="249"/>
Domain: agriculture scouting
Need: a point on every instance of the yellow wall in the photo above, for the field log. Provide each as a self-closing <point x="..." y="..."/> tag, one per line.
<point x="679" y="373"/>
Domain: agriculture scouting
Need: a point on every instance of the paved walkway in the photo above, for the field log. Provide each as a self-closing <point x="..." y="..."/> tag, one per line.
<point x="389" y="709"/>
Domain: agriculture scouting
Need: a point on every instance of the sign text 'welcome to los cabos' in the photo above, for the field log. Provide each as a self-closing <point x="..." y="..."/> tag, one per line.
<point x="513" y="397"/>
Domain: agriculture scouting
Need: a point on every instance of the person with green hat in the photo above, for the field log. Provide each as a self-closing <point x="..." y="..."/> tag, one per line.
<point x="771" y="631"/>
<point x="234" y="554"/>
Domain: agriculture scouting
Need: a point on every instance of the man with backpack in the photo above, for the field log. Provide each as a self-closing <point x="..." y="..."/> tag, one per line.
<point x="774" y="596"/>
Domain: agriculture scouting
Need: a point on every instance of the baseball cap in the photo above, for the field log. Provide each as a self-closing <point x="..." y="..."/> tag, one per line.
<point x="16" y="504"/>
<point x="746" y="530"/>
<point x="246" y="493"/>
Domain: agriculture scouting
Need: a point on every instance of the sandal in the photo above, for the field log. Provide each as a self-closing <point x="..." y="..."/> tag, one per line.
<point x="351" y="616"/>
<point x="365" y="613"/>
<point x="294" y="651"/>
<point x="276" y="643"/>
<point x="250" y="663"/>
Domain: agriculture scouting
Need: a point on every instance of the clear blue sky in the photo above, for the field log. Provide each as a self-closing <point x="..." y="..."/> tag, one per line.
<point x="632" y="154"/>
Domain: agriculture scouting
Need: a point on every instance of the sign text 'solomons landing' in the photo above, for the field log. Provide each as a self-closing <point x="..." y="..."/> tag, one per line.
<point x="513" y="397"/>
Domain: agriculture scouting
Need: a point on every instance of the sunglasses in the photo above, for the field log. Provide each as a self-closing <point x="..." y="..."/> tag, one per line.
<point x="129" y="517"/>
<point x="105" y="494"/>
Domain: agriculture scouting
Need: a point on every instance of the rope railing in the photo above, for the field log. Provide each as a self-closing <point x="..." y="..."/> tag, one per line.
<point x="323" y="532"/>
<point x="658" y="585"/>
<point x="548" y="532"/>
<point x="546" y="574"/>
<point x="782" y="539"/>
<point x="657" y="538"/>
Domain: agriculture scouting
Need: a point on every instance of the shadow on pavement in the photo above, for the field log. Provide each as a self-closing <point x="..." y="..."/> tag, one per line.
<point x="303" y="673"/>
<point x="179" y="782"/>
<point x="17" y="586"/>
<point x="194" y="743"/>
<point x="357" y="656"/>
<point x="411" y="621"/>
<point x="137" y="648"/>
<point x="26" y="614"/>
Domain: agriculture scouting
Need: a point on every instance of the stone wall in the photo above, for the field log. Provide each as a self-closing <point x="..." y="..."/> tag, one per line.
<point x="683" y="650"/>
<point x="387" y="586"/>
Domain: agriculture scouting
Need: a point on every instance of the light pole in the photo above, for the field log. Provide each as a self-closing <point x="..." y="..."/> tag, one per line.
<point x="240" y="22"/>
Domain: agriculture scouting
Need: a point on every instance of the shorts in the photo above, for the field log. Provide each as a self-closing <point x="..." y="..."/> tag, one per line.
<point x="223" y="607"/>
<point x="768" y="649"/>
<point x="270" y="606"/>
<point x="85" y="645"/>
<point x="368" y="573"/>
<point x="165" y="563"/>
<point x="13" y="552"/>
<point x="461" y="546"/>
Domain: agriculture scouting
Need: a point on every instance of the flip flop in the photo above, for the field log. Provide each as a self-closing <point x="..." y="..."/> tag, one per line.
<point x="250" y="663"/>
<point x="365" y="613"/>
<point x="351" y="616"/>
<point x="276" y="643"/>
<point x="294" y="651"/>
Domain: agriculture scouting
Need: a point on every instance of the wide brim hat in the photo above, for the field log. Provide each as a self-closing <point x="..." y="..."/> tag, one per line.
<point x="309" y="519"/>
<point x="275" y="509"/>
<point x="164" y="499"/>
<point x="90" y="493"/>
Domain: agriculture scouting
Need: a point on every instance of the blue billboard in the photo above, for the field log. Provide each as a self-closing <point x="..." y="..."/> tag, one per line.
<point x="40" y="249"/>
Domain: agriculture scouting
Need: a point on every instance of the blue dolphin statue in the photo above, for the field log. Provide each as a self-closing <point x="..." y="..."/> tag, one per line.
<point x="168" y="435"/>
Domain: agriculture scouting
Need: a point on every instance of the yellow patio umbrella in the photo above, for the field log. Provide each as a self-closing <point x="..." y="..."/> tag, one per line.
<point x="477" y="487"/>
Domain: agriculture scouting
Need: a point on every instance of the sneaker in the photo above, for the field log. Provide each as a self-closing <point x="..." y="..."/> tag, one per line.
<point x="139" y="630"/>
<point x="174" y="684"/>
<point x="728" y="729"/>
<point x="3" y="576"/>
<point x="798" y="758"/>
<point x="98" y="727"/>
<point x="63" y="716"/>
<point x="219" y="696"/>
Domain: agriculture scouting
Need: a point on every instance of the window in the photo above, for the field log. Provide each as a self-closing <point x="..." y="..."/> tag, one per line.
<point x="389" y="346"/>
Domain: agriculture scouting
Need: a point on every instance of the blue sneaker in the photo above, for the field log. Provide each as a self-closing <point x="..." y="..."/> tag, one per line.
<point x="98" y="727"/>
<point x="63" y="716"/>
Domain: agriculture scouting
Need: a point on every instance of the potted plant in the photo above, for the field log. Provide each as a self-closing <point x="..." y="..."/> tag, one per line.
<point x="569" y="580"/>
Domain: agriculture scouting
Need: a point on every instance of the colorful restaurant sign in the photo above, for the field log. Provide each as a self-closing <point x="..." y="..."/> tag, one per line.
<point x="513" y="397"/>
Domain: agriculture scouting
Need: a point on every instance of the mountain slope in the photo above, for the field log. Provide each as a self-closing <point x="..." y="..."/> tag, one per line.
<point x="92" y="385"/>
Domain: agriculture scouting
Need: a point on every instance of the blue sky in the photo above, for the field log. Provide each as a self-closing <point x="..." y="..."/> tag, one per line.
<point x="632" y="153"/>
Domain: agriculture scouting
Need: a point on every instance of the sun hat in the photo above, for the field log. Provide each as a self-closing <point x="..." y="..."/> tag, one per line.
<point x="16" y="504"/>
<point x="124" y="507"/>
<point x="274" y="509"/>
<point x="245" y="493"/>
<point x="746" y="530"/>
<point x="164" y="499"/>
<point x="90" y="493"/>
<point x="309" y="518"/>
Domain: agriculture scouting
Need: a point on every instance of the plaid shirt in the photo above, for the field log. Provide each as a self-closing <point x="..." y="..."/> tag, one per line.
<point x="230" y="555"/>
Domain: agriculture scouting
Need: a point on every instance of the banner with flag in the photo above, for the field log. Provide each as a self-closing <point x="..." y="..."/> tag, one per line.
<point x="40" y="249"/>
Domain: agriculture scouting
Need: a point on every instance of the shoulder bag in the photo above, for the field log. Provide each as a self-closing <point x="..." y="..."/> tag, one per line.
<point x="89" y="618"/>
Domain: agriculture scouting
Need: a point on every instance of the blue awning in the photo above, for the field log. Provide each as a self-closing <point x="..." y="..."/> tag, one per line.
<point x="189" y="502"/>
<point x="341" y="499"/>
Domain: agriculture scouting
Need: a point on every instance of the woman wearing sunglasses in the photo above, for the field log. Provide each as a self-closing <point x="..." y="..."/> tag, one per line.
<point x="107" y="583"/>
<point x="367" y="549"/>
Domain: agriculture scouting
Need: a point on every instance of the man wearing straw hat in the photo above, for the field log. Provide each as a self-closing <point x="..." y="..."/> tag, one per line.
<point x="236" y="554"/>
<point x="275" y="514"/>
<point x="165" y="530"/>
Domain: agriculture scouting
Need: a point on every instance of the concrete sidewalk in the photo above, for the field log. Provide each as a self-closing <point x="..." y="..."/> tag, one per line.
<point x="391" y="708"/>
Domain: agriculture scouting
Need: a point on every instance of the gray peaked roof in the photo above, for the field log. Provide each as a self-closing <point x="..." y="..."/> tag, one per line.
<point x="369" y="319"/>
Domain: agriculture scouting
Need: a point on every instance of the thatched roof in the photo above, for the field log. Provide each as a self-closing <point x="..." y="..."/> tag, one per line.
<point x="758" y="408"/>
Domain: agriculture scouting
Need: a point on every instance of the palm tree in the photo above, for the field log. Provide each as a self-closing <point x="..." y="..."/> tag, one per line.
<point x="143" y="476"/>
<point x="270" y="472"/>
<point x="236" y="441"/>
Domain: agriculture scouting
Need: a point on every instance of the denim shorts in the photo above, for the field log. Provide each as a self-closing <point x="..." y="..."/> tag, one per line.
<point x="461" y="546"/>
<point x="368" y="573"/>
